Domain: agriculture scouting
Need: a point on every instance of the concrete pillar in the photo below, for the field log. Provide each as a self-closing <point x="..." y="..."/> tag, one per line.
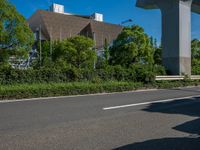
<point x="176" y="35"/>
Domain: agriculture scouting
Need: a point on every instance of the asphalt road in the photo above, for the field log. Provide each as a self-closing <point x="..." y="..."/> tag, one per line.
<point x="148" y="120"/>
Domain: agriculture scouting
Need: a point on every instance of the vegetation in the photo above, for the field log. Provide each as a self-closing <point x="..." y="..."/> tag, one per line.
<point x="62" y="89"/>
<point x="132" y="46"/>
<point x="196" y="57"/>
<point x="18" y="91"/>
<point x="15" y="34"/>
<point x="136" y="73"/>
<point x="75" y="52"/>
<point x="106" y="52"/>
<point x="195" y="47"/>
<point x="71" y="66"/>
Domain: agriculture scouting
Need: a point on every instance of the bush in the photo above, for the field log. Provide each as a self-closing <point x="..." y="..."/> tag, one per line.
<point x="196" y="70"/>
<point x="174" y="84"/>
<point x="137" y="72"/>
<point x="159" y="70"/>
<point x="18" y="91"/>
<point x="144" y="73"/>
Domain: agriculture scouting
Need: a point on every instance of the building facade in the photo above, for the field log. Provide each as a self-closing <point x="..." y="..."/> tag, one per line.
<point x="55" y="24"/>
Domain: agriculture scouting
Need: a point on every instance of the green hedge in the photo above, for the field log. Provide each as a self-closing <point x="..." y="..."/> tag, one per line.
<point x="196" y="70"/>
<point x="136" y="73"/>
<point x="18" y="91"/>
<point x="175" y="84"/>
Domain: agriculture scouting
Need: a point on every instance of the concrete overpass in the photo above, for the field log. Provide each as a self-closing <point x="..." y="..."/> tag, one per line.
<point x="176" y="31"/>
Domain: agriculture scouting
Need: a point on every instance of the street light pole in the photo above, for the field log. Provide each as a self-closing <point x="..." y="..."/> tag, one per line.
<point x="94" y="38"/>
<point x="40" y="43"/>
<point x="51" y="44"/>
<point x="126" y="21"/>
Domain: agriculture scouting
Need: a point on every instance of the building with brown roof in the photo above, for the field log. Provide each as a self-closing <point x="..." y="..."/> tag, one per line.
<point x="54" y="24"/>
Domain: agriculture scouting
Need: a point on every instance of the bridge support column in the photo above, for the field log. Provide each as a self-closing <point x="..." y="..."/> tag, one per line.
<point x="176" y="35"/>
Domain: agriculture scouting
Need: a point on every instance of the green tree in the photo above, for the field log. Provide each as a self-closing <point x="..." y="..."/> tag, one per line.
<point x="196" y="56"/>
<point x="152" y="41"/>
<point x="155" y="43"/>
<point x="131" y="46"/>
<point x="4" y="55"/>
<point x="76" y="51"/>
<point x="158" y="55"/>
<point x="83" y="54"/>
<point x="45" y="55"/>
<point x="64" y="53"/>
<point x="14" y="31"/>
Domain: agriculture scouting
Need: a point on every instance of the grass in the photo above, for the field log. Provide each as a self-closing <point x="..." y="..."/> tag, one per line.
<point x="18" y="91"/>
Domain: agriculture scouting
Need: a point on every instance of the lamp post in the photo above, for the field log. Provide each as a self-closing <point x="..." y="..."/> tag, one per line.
<point x="126" y="21"/>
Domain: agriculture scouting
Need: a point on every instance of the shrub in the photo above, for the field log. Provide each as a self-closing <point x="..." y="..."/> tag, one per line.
<point x="18" y="91"/>
<point x="144" y="73"/>
<point x="137" y="72"/>
<point x="159" y="70"/>
<point x="196" y="70"/>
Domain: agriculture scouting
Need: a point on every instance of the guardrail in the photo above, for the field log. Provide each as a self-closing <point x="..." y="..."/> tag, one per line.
<point x="160" y="78"/>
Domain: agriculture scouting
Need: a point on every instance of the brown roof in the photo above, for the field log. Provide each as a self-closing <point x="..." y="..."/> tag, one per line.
<point x="61" y="26"/>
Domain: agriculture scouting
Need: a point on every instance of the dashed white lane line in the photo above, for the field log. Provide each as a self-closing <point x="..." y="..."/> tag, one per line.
<point x="147" y="103"/>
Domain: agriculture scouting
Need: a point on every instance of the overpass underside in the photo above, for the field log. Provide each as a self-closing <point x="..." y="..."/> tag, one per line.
<point x="176" y="32"/>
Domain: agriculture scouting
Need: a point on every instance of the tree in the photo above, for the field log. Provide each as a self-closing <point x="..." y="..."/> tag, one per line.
<point x="14" y="31"/>
<point x="83" y="53"/>
<point x="4" y="55"/>
<point x="152" y="41"/>
<point x="131" y="46"/>
<point x="196" y="56"/>
<point x="155" y="43"/>
<point x="64" y="53"/>
<point x="76" y="51"/>
<point x="45" y="59"/>
<point x="158" y="55"/>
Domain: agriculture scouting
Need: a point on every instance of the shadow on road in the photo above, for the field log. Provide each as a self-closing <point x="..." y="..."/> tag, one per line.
<point x="189" y="107"/>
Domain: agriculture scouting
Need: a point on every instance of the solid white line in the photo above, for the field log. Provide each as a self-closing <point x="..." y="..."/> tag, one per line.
<point x="74" y="96"/>
<point x="147" y="103"/>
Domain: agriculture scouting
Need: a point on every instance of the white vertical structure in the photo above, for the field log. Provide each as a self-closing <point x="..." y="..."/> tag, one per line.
<point x="57" y="8"/>
<point x="97" y="17"/>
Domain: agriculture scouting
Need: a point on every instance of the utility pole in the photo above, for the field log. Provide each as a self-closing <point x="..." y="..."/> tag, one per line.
<point x="51" y="44"/>
<point x="40" y="43"/>
<point x="70" y="34"/>
<point x="60" y="33"/>
<point x="94" y="38"/>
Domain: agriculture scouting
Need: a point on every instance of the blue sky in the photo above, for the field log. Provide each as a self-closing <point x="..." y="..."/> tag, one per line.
<point x="115" y="11"/>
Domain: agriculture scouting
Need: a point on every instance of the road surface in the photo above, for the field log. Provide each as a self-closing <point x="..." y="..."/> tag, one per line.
<point x="145" y="120"/>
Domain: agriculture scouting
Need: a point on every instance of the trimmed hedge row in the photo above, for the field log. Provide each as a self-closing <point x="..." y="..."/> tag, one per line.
<point x="196" y="70"/>
<point x="136" y="73"/>
<point x="63" y="89"/>
<point x="19" y="91"/>
<point x="175" y="84"/>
